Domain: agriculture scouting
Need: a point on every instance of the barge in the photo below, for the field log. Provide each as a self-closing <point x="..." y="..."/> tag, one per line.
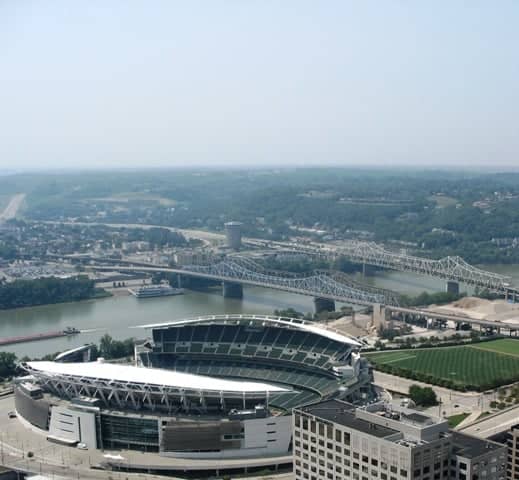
<point x="38" y="336"/>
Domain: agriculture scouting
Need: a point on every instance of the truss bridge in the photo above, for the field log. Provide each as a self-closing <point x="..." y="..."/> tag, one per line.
<point x="319" y="284"/>
<point x="451" y="268"/>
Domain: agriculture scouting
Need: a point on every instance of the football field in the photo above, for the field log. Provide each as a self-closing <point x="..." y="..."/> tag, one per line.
<point x="477" y="366"/>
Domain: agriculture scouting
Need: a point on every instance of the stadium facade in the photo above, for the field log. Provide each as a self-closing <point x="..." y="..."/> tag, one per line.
<point x="212" y="387"/>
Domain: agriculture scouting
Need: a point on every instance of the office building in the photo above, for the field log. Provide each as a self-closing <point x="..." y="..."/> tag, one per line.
<point x="335" y="440"/>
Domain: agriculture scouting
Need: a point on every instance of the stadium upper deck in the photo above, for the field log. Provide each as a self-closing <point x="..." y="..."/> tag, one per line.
<point x="292" y="323"/>
<point x="314" y="361"/>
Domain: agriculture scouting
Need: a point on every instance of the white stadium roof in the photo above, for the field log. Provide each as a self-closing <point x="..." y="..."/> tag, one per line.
<point x="276" y="321"/>
<point x="149" y="376"/>
<point x="72" y="350"/>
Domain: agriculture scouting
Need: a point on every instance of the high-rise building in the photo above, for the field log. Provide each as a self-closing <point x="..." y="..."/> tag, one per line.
<point x="511" y="439"/>
<point x="335" y="440"/>
<point x="513" y="453"/>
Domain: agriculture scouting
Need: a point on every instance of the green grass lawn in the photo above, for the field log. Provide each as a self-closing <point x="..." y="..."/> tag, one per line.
<point x="483" y="415"/>
<point x="504" y="345"/>
<point x="457" y="419"/>
<point x="474" y="367"/>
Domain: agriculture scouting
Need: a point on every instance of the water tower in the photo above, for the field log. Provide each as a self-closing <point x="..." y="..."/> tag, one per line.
<point x="233" y="234"/>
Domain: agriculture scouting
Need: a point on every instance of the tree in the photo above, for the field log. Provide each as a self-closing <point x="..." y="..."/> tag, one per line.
<point x="288" y="312"/>
<point x="106" y="346"/>
<point x="7" y="364"/>
<point x="110" y="348"/>
<point x="423" y="396"/>
<point x="41" y="291"/>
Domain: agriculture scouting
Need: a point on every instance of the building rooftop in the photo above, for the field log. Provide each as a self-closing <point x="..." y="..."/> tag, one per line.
<point x="471" y="447"/>
<point x="267" y="320"/>
<point x="418" y="418"/>
<point x="149" y="376"/>
<point x="401" y="414"/>
<point x="343" y="413"/>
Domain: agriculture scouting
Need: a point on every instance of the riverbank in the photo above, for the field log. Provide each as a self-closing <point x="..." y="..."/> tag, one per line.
<point x="97" y="296"/>
<point x="48" y="291"/>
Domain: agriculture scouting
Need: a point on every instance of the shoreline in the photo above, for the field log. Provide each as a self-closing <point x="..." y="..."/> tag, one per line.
<point x="68" y="302"/>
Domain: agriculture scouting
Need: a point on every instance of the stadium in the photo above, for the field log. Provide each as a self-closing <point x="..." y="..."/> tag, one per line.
<point x="214" y="387"/>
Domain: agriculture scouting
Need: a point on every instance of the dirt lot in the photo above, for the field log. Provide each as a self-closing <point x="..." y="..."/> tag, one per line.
<point x="348" y="326"/>
<point x="481" y="309"/>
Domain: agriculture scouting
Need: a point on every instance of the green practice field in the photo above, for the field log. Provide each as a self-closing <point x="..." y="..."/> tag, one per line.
<point x="469" y="367"/>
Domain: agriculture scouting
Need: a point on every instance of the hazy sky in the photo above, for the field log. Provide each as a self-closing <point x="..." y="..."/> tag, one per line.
<point x="184" y="83"/>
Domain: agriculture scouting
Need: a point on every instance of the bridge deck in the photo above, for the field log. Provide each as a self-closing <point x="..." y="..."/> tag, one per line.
<point x="453" y="318"/>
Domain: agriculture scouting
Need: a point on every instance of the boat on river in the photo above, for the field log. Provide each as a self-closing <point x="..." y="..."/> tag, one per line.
<point x="38" y="336"/>
<point x="150" y="291"/>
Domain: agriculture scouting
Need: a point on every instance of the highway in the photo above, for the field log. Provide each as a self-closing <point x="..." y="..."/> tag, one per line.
<point x="454" y="318"/>
<point x="206" y="237"/>
<point x="494" y="424"/>
<point x="12" y="207"/>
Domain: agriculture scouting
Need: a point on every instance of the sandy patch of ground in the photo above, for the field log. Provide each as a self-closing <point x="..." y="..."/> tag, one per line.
<point x="481" y="309"/>
<point x="346" y="325"/>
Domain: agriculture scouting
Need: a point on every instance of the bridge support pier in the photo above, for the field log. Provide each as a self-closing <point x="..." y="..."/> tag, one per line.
<point x="379" y="317"/>
<point x="232" y="290"/>
<point x="324" y="305"/>
<point x="368" y="270"/>
<point x="453" y="287"/>
<point x="510" y="296"/>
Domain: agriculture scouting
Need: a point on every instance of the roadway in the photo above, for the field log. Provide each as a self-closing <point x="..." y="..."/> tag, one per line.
<point x="494" y="424"/>
<point x="453" y="402"/>
<point x="205" y="236"/>
<point x="454" y="318"/>
<point x="12" y="207"/>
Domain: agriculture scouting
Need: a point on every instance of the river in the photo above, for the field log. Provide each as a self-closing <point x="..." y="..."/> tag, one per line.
<point x="116" y="315"/>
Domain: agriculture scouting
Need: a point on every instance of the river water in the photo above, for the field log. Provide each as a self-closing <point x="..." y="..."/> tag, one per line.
<point x="117" y="315"/>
